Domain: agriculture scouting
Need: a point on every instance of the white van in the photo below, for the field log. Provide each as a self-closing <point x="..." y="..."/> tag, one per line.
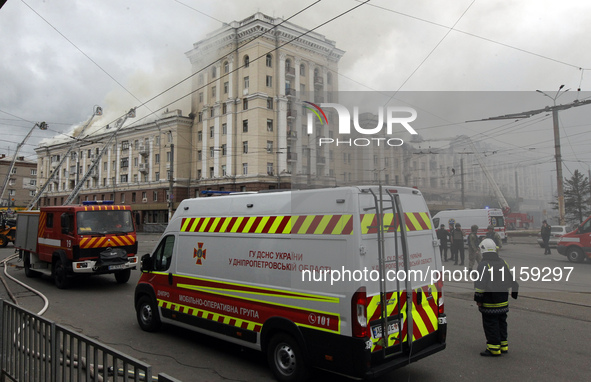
<point x="312" y="278"/>
<point x="481" y="217"/>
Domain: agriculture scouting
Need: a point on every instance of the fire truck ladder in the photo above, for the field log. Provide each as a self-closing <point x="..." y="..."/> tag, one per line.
<point x="97" y="111"/>
<point x="119" y="124"/>
<point x="386" y="320"/>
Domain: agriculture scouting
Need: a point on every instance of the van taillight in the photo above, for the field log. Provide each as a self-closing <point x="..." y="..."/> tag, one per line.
<point x="359" y="313"/>
<point x="440" y="299"/>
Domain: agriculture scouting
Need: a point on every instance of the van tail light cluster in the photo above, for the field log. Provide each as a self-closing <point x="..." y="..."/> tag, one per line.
<point x="359" y="313"/>
<point x="440" y="298"/>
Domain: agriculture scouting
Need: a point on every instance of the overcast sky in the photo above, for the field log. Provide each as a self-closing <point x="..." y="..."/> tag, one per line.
<point x="60" y="58"/>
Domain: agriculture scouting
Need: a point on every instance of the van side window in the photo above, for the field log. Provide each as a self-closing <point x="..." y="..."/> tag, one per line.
<point x="49" y="221"/>
<point x="586" y="227"/>
<point x="163" y="254"/>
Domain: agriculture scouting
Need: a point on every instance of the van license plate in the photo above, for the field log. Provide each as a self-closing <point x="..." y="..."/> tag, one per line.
<point x="114" y="267"/>
<point x="377" y="330"/>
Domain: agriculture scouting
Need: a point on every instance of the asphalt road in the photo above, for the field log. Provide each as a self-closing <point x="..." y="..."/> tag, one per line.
<point x="549" y="327"/>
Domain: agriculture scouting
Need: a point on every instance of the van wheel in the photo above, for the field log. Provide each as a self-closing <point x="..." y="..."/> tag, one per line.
<point x="60" y="275"/>
<point x="123" y="276"/>
<point x="286" y="359"/>
<point x="575" y="255"/>
<point x="3" y="241"/>
<point x="147" y="315"/>
<point x="27" y="262"/>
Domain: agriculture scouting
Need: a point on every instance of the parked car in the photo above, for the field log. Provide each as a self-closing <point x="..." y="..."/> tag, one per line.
<point x="556" y="231"/>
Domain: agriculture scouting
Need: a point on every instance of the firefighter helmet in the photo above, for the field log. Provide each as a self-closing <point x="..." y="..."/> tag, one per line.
<point x="488" y="245"/>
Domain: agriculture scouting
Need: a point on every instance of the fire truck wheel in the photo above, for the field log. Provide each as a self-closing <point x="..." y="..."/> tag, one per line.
<point x="123" y="276"/>
<point x="60" y="275"/>
<point x="286" y="359"/>
<point x="575" y="255"/>
<point x="27" y="262"/>
<point x="147" y="315"/>
<point x="3" y="241"/>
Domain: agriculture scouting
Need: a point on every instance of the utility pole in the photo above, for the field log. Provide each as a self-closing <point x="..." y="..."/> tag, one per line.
<point x="462" y="181"/>
<point x="557" y="155"/>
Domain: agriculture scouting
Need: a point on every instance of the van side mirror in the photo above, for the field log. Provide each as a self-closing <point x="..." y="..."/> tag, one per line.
<point x="146" y="263"/>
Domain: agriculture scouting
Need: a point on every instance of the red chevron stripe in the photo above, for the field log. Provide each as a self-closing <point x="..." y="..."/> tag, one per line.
<point x="314" y="224"/>
<point x="269" y="224"/>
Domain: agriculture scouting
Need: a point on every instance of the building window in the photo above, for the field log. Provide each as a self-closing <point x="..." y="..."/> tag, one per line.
<point x="224" y="109"/>
<point x="33" y="171"/>
<point x="226" y="67"/>
<point x="224" y="129"/>
<point x="270" y="103"/>
<point x="135" y="178"/>
<point x="269" y="168"/>
<point x="199" y="155"/>
<point x="269" y="147"/>
<point x="211" y="172"/>
<point x="224" y="173"/>
<point x="213" y="71"/>
<point x="245" y="126"/>
<point x="302" y="70"/>
<point x="200" y="117"/>
<point x="124" y="162"/>
<point x="329" y="78"/>
<point x="133" y="197"/>
<point x="224" y="149"/>
<point x="200" y="80"/>
<point x="157" y="158"/>
<point x="269" y="61"/>
<point x="245" y="147"/>
<point x="244" y="168"/>
<point x="246" y="61"/>
<point x="211" y="152"/>
<point x="246" y="82"/>
<point x="200" y="97"/>
<point x="157" y="175"/>
<point x="269" y="81"/>
<point x="123" y="178"/>
<point x="135" y="162"/>
<point x="211" y="112"/>
<point x="198" y="174"/>
<point x="226" y="87"/>
<point x="154" y="196"/>
<point x="211" y="131"/>
<point x="32" y="182"/>
<point x="213" y="91"/>
<point x="269" y="125"/>
<point x="200" y="136"/>
<point x="244" y="104"/>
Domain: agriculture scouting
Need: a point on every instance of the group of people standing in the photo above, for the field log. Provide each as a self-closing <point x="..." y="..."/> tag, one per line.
<point x="454" y="240"/>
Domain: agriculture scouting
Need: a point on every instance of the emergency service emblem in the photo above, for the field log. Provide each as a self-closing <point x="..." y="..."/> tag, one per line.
<point x="199" y="253"/>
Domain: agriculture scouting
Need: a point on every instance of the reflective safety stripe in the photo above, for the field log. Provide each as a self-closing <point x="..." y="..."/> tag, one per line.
<point x="302" y="224"/>
<point x="102" y="242"/>
<point x="415" y="221"/>
<point x="424" y="315"/>
<point x="497" y="305"/>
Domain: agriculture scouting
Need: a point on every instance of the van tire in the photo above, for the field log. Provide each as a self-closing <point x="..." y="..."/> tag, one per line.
<point x="575" y="255"/>
<point x="123" y="276"/>
<point x="30" y="273"/>
<point x="286" y="359"/>
<point x="147" y="315"/>
<point x="60" y="275"/>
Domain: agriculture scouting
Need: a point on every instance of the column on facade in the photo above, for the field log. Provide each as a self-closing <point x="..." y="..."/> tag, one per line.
<point x="311" y="154"/>
<point x="297" y="125"/>
<point x="282" y="123"/>
<point x="229" y="137"/>
<point x="325" y="149"/>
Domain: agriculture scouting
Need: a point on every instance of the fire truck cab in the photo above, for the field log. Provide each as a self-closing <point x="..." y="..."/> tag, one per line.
<point x="63" y="241"/>
<point x="343" y="279"/>
<point x="576" y="245"/>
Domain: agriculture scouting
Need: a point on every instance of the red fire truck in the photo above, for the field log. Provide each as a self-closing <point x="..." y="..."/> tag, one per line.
<point x="88" y="239"/>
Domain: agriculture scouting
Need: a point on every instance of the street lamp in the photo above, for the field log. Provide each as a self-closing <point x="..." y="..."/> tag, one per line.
<point x="557" y="153"/>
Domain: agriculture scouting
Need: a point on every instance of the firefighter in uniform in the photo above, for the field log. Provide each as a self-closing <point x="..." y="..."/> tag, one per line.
<point x="491" y="293"/>
<point x="457" y="244"/>
<point x="473" y="249"/>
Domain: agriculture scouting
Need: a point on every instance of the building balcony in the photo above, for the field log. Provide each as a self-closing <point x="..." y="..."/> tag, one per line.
<point x="318" y="81"/>
<point x="292" y="113"/>
<point x="292" y="135"/>
<point x="290" y="92"/>
<point x="94" y="174"/>
<point x="144" y="167"/>
<point x="144" y="150"/>
<point x="292" y="157"/>
<point x="290" y="72"/>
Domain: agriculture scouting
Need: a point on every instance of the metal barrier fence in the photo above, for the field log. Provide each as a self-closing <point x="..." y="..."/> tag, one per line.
<point x="36" y="349"/>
